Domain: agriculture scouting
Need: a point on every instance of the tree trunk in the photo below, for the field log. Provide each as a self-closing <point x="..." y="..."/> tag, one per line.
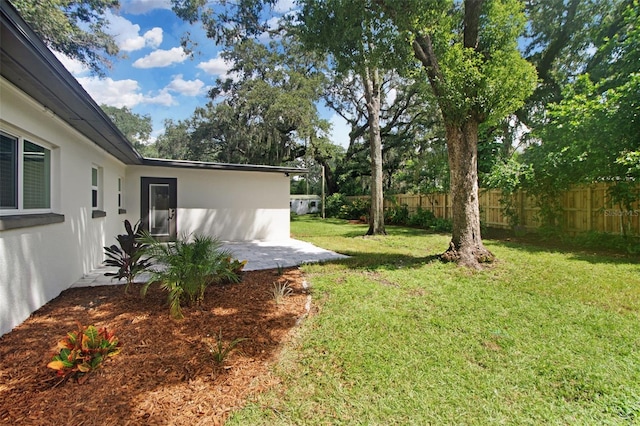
<point x="466" y="246"/>
<point x="372" y="95"/>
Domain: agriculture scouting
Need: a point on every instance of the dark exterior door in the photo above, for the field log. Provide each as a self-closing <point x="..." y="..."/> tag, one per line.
<point x="158" y="207"/>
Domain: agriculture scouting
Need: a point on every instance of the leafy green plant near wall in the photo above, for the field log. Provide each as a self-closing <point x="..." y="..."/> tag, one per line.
<point x="187" y="266"/>
<point x="129" y="256"/>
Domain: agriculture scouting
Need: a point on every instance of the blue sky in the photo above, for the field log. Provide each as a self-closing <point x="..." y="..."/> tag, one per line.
<point x="156" y="77"/>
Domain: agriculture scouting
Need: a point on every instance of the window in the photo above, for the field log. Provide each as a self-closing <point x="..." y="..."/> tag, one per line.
<point x="8" y="172"/>
<point x="119" y="193"/>
<point x="121" y="209"/>
<point x="94" y="188"/>
<point x="25" y="175"/>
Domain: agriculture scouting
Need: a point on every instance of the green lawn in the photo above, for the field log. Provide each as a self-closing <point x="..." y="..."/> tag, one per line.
<point x="541" y="337"/>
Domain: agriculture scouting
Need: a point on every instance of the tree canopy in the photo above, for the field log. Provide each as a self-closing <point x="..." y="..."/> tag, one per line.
<point x="74" y="28"/>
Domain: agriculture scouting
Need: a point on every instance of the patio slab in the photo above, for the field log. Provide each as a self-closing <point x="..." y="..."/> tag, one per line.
<point x="258" y="254"/>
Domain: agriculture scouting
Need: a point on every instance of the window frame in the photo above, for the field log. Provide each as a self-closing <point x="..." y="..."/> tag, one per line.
<point x="97" y="210"/>
<point x="20" y="141"/>
<point x="121" y="208"/>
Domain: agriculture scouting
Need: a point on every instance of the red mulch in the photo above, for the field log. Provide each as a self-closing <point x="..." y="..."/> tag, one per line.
<point x="165" y="373"/>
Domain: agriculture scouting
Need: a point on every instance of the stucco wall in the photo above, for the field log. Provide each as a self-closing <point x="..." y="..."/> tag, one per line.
<point x="37" y="263"/>
<point x="229" y="205"/>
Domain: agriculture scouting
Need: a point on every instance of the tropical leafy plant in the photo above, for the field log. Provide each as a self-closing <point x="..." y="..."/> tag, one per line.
<point x="186" y="267"/>
<point x="83" y="351"/>
<point x="219" y="352"/>
<point x="128" y="258"/>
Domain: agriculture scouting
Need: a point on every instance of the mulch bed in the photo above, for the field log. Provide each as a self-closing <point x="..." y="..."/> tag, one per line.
<point x="165" y="374"/>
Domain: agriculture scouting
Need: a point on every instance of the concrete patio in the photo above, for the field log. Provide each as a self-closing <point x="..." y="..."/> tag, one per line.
<point x="258" y="254"/>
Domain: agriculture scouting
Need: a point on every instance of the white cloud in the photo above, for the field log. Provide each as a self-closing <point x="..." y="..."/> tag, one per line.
<point x="117" y="93"/>
<point x="138" y="7"/>
<point x="161" y="58"/>
<point x="121" y="93"/>
<point x="186" y="87"/>
<point x="153" y="37"/>
<point x="163" y="98"/>
<point x="74" y="66"/>
<point x="339" y="131"/>
<point x="127" y="34"/>
<point x="216" y="66"/>
<point x="284" y="6"/>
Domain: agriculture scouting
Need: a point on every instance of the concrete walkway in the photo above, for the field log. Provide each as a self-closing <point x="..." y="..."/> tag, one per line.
<point x="258" y="254"/>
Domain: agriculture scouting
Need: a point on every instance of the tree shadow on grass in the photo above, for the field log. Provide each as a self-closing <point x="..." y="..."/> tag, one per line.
<point x="588" y="255"/>
<point x="385" y="261"/>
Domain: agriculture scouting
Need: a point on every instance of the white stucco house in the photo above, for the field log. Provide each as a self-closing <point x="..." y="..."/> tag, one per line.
<point x="69" y="178"/>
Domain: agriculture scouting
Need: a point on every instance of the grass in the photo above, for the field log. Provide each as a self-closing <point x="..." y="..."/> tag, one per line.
<point x="541" y="337"/>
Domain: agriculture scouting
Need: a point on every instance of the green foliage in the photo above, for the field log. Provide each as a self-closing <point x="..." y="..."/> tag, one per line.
<point x="128" y="258"/>
<point x="220" y="352"/>
<point x="337" y="205"/>
<point x="75" y="28"/>
<point x="137" y="128"/>
<point x="334" y="203"/>
<point x="422" y="218"/>
<point x="84" y="351"/>
<point x="601" y="241"/>
<point x="265" y="116"/>
<point x="280" y="290"/>
<point x="356" y="209"/>
<point x="187" y="267"/>
<point x="508" y="176"/>
<point x="396" y="214"/>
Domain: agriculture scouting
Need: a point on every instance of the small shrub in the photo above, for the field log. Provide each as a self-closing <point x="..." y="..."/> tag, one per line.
<point x="83" y="351"/>
<point x="279" y="269"/>
<point x="128" y="258"/>
<point x="357" y="209"/>
<point x="397" y="215"/>
<point x="219" y="352"/>
<point x="232" y="270"/>
<point x="333" y="204"/>
<point x="422" y="218"/>
<point x="442" y="225"/>
<point x="188" y="267"/>
<point x="280" y="290"/>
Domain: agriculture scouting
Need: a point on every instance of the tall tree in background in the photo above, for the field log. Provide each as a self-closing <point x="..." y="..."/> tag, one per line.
<point x="137" y="128"/>
<point x="265" y="114"/>
<point x="361" y="44"/>
<point x="469" y="51"/>
<point x="74" y="28"/>
<point x="593" y="133"/>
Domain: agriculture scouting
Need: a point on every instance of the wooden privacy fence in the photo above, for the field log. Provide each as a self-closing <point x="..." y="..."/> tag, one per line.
<point x="584" y="208"/>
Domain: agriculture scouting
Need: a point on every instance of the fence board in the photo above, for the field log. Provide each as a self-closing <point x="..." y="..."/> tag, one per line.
<point x="585" y="208"/>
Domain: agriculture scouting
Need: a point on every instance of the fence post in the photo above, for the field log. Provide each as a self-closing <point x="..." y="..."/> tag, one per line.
<point x="589" y="208"/>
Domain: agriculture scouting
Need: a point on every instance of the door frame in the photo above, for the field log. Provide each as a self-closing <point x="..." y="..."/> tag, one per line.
<point x="145" y="182"/>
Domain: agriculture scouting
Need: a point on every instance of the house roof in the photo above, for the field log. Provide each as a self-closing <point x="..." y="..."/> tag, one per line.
<point x="27" y="62"/>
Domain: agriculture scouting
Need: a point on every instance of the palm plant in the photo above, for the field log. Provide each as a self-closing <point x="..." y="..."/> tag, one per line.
<point x="186" y="267"/>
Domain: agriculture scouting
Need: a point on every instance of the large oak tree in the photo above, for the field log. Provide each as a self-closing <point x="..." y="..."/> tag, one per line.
<point x="469" y="51"/>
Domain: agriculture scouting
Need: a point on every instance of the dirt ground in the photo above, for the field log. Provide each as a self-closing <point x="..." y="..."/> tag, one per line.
<point x="165" y="374"/>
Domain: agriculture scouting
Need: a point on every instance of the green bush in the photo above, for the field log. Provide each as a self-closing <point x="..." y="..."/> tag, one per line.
<point x="356" y="209"/>
<point x="188" y="267"/>
<point x="422" y="218"/>
<point x="442" y="225"/>
<point x="397" y="215"/>
<point x="333" y="204"/>
<point x="338" y="206"/>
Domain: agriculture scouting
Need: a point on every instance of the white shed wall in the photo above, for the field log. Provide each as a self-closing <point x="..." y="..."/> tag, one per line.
<point x="37" y="263"/>
<point x="229" y="205"/>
